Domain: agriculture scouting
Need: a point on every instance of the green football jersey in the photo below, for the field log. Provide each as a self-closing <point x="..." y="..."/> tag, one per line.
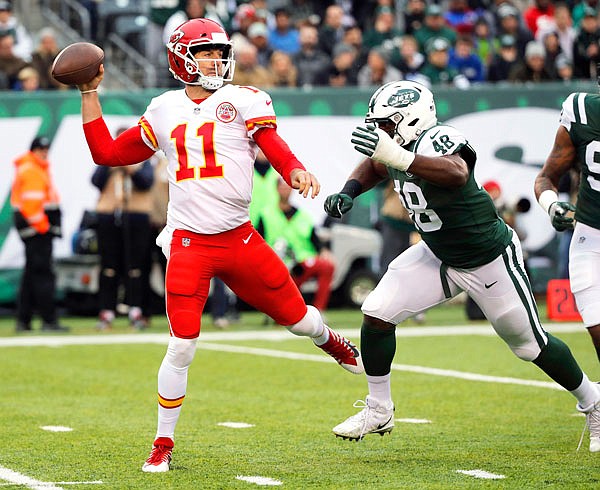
<point x="461" y="226"/>
<point x="581" y="117"/>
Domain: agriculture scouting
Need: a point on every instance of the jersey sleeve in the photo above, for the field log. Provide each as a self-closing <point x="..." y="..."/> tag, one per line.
<point x="440" y="141"/>
<point x="145" y="123"/>
<point x="256" y="109"/>
<point x="569" y="108"/>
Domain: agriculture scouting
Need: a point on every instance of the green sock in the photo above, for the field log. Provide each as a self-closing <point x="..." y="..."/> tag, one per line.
<point x="377" y="349"/>
<point x="557" y="362"/>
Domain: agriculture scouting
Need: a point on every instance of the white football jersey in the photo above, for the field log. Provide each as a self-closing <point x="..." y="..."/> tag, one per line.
<point x="210" y="154"/>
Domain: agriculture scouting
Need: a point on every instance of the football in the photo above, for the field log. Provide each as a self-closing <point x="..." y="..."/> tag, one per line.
<point x="77" y="63"/>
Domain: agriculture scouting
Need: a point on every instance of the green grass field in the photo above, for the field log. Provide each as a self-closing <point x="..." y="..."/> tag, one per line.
<point x="106" y="393"/>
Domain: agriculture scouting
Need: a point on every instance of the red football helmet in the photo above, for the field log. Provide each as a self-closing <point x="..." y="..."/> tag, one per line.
<point x="186" y="40"/>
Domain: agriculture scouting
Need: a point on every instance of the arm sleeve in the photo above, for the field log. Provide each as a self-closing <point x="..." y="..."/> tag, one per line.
<point x="127" y="149"/>
<point x="277" y="152"/>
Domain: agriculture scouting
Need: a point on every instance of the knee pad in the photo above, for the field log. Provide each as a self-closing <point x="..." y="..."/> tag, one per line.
<point x="311" y="324"/>
<point x="180" y="352"/>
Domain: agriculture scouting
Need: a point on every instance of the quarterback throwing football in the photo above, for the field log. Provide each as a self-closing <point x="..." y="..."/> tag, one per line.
<point x="210" y="133"/>
<point x="465" y="246"/>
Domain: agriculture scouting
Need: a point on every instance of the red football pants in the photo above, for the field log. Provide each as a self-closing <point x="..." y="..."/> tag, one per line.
<point x="322" y="270"/>
<point x="244" y="261"/>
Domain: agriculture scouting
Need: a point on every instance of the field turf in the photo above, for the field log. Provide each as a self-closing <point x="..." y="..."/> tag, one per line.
<point x="469" y="414"/>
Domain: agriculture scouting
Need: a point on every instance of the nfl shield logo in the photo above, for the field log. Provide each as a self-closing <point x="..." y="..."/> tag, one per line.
<point x="185" y="242"/>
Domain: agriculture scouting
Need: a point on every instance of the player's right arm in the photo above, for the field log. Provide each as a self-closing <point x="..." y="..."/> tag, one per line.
<point x="367" y="174"/>
<point x="127" y="149"/>
<point x="561" y="158"/>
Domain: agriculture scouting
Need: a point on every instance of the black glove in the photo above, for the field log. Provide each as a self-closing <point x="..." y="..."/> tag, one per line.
<point x="338" y="204"/>
<point x="558" y="215"/>
<point x="365" y="140"/>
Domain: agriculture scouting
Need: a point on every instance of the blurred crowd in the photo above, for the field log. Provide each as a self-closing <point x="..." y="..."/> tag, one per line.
<point x="305" y="43"/>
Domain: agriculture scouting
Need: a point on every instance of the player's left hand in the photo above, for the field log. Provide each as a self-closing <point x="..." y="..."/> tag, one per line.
<point x="377" y="144"/>
<point x="304" y="181"/>
<point x="558" y="215"/>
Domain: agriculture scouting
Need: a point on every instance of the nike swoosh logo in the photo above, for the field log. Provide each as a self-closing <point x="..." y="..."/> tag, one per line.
<point x="433" y="137"/>
<point x="381" y="426"/>
<point x="269" y="102"/>
<point x="488" y="286"/>
<point x="246" y="240"/>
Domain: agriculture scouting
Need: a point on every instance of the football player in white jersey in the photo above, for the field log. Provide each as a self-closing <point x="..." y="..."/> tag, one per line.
<point x="577" y="145"/>
<point x="210" y="133"/>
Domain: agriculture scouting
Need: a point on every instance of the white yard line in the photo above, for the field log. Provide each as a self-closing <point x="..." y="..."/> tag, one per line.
<point x="208" y="338"/>
<point x="485" y="475"/>
<point x="16" y="478"/>
<point x="271" y="335"/>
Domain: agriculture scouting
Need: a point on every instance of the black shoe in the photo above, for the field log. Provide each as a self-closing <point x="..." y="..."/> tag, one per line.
<point x="54" y="327"/>
<point x="22" y="327"/>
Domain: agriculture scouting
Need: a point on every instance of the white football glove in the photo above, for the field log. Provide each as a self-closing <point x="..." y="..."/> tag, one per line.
<point x="377" y="144"/>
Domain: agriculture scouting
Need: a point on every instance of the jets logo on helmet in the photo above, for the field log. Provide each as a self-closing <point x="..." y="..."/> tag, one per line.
<point x="406" y="106"/>
<point x="404" y="97"/>
<point x="200" y="35"/>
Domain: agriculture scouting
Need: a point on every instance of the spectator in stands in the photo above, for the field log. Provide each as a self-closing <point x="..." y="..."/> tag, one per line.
<point x="460" y="16"/>
<point x="586" y="50"/>
<point x="310" y="60"/>
<point x="510" y="23"/>
<point x="377" y="71"/>
<point x="37" y="218"/>
<point x="434" y="27"/>
<point x="562" y="25"/>
<point x="258" y="35"/>
<point x="303" y="11"/>
<point x="291" y="233"/>
<point x="504" y="60"/>
<point x="579" y="11"/>
<point x="124" y="232"/>
<point x="194" y="9"/>
<point x="485" y="47"/>
<point x="564" y="68"/>
<point x="159" y="13"/>
<point x="43" y="57"/>
<point x="282" y="69"/>
<point x="384" y="29"/>
<point x="465" y="60"/>
<point x="414" y="15"/>
<point x="411" y="60"/>
<point x="331" y="31"/>
<point x="532" y="68"/>
<point x="284" y="37"/>
<point x="9" y="24"/>
<point x="10" y="64"/>
<point x="353" y="36"/>
<point x="245" y="16"/>
<point x="29" y="80"/>
<point x="553" y="50"/>
<point x="342" y="71"/>
<point x="539" y="15"/>
<point x="248" y="70"/>
<point x="437" y="69"/>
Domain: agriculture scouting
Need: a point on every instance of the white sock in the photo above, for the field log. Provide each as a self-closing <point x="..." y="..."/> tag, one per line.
<point x="311" y="325"/>
<point x="587" y="393"/>
<point x="172" y="385"/>
<point x="380" y="389"/>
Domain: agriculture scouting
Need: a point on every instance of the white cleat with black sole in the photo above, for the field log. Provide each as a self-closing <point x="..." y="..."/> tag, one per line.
<point x="374" y="418"/>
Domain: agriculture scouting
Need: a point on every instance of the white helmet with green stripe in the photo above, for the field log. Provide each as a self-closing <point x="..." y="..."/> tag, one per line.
<point x="408" y="105"/>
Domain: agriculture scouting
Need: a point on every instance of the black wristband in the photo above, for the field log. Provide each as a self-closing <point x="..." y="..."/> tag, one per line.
<point x="353" y="188"/>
